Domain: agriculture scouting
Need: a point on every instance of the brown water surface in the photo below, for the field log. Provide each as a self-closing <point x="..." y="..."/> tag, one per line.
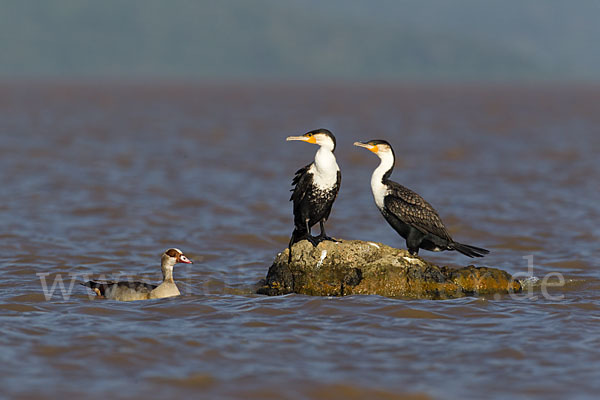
<point x="99" y="179"/>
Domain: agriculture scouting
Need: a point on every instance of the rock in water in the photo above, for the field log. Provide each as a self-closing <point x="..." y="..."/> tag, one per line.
<point x="357" y="267"/>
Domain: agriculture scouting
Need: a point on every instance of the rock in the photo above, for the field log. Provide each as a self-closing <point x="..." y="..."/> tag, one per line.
<point x="356" y="267"/>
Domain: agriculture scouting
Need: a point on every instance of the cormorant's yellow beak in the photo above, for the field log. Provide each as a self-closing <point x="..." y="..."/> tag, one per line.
<point x="367" y="146"/>
<point x="304" y="138"/>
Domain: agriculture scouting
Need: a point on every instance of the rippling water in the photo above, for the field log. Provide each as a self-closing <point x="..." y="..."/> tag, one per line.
<point x="101" y="179"/>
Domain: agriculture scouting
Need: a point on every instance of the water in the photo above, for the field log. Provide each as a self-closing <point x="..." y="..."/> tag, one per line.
<point x="100" y="179"/>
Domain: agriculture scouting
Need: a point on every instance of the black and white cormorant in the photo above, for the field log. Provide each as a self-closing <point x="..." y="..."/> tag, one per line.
<point x="407" y="212"/>
<point x="315" y="188"/>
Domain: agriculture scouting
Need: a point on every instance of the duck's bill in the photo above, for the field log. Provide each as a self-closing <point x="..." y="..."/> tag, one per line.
<point x="185" y="260"/>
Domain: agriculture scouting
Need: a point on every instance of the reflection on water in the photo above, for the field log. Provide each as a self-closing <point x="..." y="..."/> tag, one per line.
<point x="100" y="179"/>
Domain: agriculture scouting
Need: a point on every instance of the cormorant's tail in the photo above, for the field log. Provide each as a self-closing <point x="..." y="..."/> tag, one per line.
<point x="297" y="235"/>
<point x="469" y="251"/>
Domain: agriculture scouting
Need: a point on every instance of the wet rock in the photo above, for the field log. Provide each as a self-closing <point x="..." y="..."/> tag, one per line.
<point x="356" y="267"/>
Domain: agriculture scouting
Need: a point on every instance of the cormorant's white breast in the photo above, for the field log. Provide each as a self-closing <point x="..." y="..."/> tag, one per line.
<point x="324" y="169"/>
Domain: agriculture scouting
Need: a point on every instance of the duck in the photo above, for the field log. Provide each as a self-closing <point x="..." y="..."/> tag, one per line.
<point x="130" y="291"/>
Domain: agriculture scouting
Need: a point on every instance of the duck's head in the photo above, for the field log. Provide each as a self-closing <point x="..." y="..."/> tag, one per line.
<point x="174" y="256"/>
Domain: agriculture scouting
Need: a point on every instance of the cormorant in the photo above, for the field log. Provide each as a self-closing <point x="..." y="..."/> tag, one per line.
<point x="407" y="212"/>
<point x="315" y="188"/>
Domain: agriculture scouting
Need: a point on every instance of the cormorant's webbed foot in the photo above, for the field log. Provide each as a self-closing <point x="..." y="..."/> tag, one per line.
<point x="413" y="251"/>
<point x="313" y="240"/>
<point x="413" y="257"/>
<point x="322" y="238"/>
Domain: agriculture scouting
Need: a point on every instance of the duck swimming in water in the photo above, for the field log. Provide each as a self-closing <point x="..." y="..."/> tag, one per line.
<point x="128" y="291"/>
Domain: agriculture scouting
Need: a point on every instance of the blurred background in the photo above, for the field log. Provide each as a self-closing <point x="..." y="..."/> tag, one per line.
<point x="433" y="40"/>
<point x="129" y="126"/>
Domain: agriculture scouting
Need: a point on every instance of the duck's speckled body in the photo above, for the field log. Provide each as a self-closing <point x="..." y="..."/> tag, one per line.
<point x="129" y="291"/>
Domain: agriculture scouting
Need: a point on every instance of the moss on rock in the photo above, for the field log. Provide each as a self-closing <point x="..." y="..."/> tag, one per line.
<point x="357" y="267"/>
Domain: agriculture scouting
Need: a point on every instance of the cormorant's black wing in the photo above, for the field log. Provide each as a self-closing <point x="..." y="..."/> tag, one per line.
<point x="338" y="182"/>
<point x="302" y="183"/>
<point x="413" y="210"/>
